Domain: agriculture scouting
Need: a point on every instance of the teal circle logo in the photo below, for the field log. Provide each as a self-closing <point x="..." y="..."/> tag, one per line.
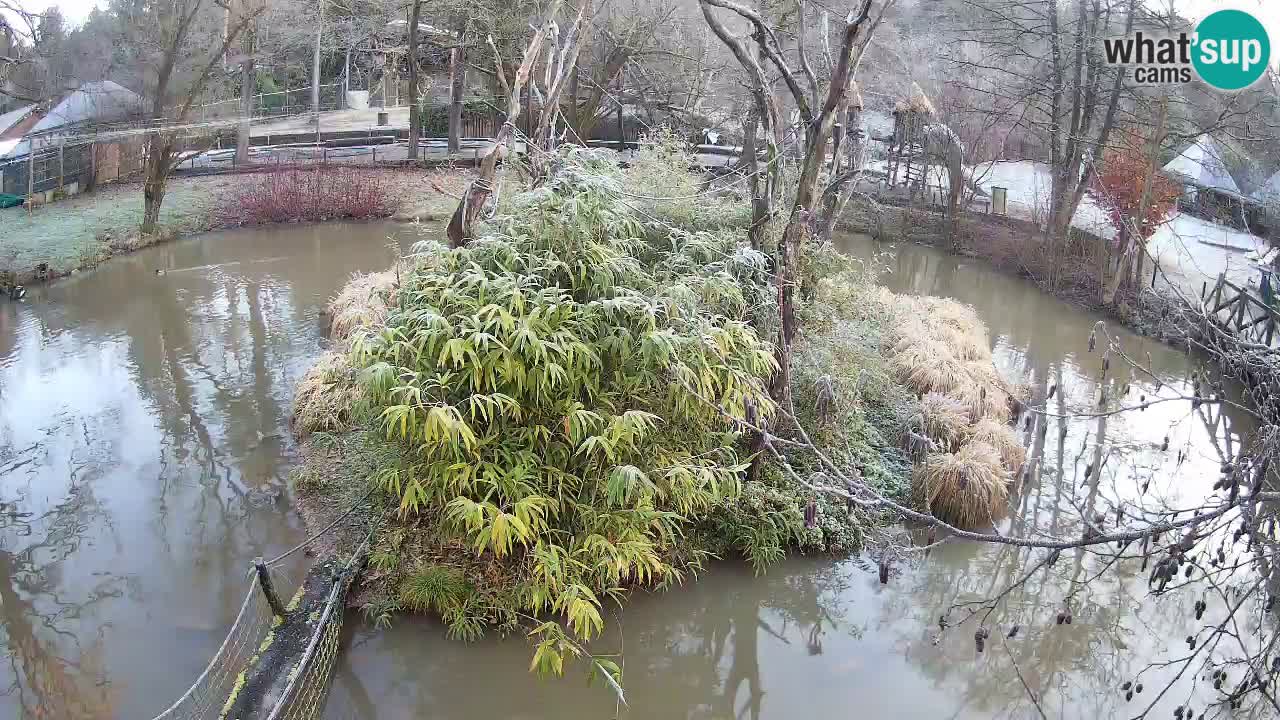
<point x="1231" y="50"/>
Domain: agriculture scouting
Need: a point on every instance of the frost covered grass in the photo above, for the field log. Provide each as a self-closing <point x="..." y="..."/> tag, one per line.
<point x="361" y="303"/>
<point x="82" y="231"/>
<point x="85" y="230"/>
<point x="939" y="349"/>
<point x="968" y="488"/>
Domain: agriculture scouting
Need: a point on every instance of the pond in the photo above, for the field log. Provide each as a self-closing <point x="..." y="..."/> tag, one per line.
<point x="144" y="447"/>
<point x="822" y="638"/>
<point x="144" y="450"/>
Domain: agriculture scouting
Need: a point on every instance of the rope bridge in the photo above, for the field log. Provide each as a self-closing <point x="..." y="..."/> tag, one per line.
<point x="276" y="660"/>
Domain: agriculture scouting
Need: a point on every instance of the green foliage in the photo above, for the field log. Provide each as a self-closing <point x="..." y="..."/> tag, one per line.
<point x="445" y="590"/>
<point x="663" y="169"/>
<point x="434" y="117"/>
<point x="546" y="385"/>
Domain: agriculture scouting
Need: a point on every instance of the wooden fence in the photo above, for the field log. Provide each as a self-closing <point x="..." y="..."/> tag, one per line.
<point x="1241" y="312"/>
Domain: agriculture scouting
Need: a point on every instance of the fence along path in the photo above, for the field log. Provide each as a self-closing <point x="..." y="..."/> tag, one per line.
<point x="218" y="688"/>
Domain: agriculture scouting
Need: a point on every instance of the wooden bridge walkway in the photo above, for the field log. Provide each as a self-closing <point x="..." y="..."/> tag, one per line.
<point x="1244" y="313"/>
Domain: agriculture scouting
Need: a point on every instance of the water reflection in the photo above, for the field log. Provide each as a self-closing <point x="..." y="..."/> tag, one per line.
<point x="144" y="450"/>
<point x="823" y="639"/>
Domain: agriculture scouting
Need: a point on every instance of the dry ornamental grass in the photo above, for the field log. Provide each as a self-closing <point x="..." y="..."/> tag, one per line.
<point x="362" y="302"/>
<point x="939" y="349"/>
<point x="968" y="488"/>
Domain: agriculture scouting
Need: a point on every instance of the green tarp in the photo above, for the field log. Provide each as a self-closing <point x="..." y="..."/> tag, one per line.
<point x="8" y="201"/>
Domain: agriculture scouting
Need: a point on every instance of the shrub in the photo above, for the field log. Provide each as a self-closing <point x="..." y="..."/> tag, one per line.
<point x="322" y="192"/>
<point x="547" y="383"/>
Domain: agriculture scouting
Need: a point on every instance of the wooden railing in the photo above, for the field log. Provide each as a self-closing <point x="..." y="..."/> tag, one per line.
<point x="1241" y="312"/>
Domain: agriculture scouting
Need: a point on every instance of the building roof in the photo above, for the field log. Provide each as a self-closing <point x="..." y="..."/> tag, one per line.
<point x="13" y="117"/>
<point x="96" y="101"/>
<point x="1269" y="191"/>
<point x="1202" y="164"/>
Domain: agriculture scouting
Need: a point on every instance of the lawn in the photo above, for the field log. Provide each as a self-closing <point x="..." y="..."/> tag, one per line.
<point x="83" y="231"/>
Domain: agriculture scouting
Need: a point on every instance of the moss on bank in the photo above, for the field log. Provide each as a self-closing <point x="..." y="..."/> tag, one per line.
<point x="645" y="307"/>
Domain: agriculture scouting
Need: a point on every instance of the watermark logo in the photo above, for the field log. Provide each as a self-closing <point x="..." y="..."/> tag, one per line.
<point x="1229" y="50"/>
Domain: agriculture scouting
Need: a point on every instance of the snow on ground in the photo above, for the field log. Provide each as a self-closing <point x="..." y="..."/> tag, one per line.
<point x="1029" y="185"/>
<point x="1192" y="251"/>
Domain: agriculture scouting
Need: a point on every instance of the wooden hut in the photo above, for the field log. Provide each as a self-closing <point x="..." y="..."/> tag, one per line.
<point x="907" y="165"/>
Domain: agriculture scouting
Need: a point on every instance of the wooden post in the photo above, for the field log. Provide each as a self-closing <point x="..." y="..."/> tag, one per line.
<point x="1217" y="292"/>
<point x="62" y="166"/>
<point x="622" y="131"/>
<point x="268" y="588"/>
<point x="31" y="173"/>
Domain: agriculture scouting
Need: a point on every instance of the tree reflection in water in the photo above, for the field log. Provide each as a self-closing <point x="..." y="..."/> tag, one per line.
<point x="55" y="673"/>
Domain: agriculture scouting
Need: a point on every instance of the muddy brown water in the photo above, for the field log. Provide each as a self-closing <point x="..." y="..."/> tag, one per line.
<point x="144" y="450"/>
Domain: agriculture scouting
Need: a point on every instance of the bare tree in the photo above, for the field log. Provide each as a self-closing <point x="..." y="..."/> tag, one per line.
<point x="562" y="50"/>
<point x="457" y="84"/>
<point x="168" y="35"/>
<point x="817" y="124"/>
<point x="415" y="72"/>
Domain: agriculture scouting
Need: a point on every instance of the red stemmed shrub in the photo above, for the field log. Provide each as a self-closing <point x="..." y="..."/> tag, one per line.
<point x="323" y="192"/>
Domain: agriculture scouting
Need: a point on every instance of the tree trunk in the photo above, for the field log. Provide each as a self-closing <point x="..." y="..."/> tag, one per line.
<point x="315" y="71"/>
<point x="457" y="84"/>
<point x="153" y="195"/>
<point x="759" y="198"/>
<point x="415" y="114"/>
<point x="247" y="86"/>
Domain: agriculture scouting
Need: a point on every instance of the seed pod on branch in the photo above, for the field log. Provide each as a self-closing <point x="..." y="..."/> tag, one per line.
<point x="980" y="639"/>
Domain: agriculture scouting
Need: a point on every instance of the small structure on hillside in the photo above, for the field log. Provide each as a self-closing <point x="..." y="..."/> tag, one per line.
<point x="907" y="165"/>
<point x="1208" y="190"/>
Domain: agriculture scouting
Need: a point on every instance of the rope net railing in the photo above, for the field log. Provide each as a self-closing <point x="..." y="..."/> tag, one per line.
<point x="308" y="678"/>
<point x="304" y="697"/>
<point x="206" y="697"/>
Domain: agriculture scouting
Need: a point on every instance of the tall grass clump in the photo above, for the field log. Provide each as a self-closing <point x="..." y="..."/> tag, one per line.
<point x="968" y="488"/>
<point x="329" y="397"/>
<point x="939" y="349"/>
<point x="548" y="384"/>
<point x="362" y="303"/>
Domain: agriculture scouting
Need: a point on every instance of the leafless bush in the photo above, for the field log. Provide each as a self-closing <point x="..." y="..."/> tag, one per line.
<point x="324" y="192"/>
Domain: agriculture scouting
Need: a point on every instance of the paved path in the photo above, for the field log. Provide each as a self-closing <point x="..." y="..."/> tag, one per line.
<point x="336" y="121"/>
